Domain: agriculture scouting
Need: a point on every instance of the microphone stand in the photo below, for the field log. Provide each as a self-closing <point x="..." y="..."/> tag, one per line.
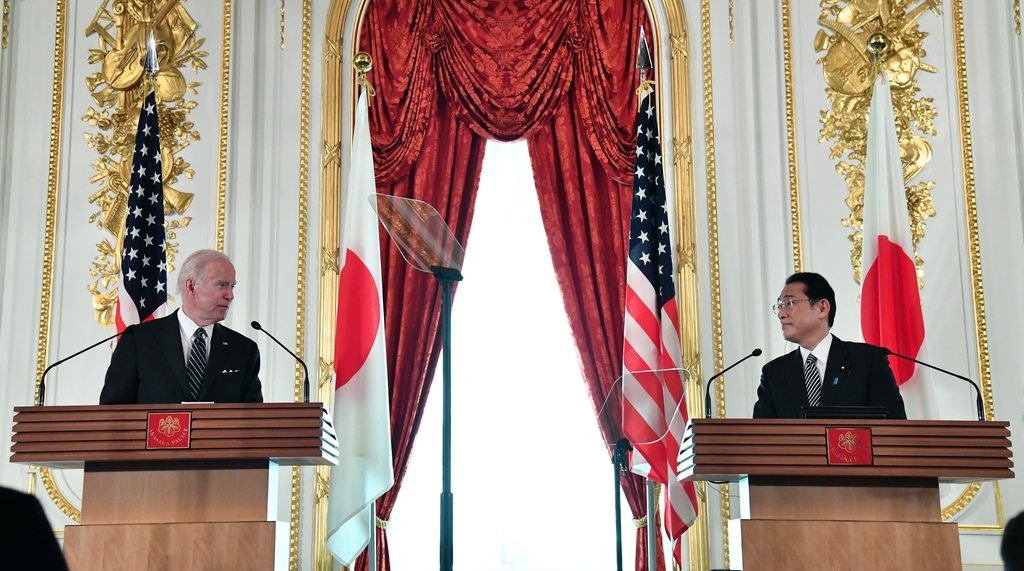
<point x="305" y="380"/>
<point x="981" y="406"/>
<point x="707" y="390"/>
<point x="620" y="460"/>
<point x="42" y="378"/>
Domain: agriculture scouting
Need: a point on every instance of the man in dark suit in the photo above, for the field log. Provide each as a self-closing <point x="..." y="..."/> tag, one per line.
<point x="26" y="537"/>
<point x="188" y="355"/>
<point x="824" y="370"/>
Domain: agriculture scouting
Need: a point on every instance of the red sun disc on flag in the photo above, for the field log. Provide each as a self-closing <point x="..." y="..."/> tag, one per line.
<point x="359" y="301"/>
<point x="890" y="307"/>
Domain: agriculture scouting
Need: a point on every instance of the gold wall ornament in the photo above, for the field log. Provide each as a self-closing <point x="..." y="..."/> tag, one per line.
<point x="118" y="90"/>
<point x="7" y="24"/>
<point x="1016" y="17"/>
<point x="849" y="69"/>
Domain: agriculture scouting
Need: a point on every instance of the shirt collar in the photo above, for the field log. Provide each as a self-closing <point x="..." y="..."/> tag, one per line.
<point x="820" y="352"/>
<point x="188" y="327"/>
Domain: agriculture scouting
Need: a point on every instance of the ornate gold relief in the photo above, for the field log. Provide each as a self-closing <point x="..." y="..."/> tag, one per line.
<point x="849" y="74"/>
<point x="118" y="89"/>
<point x="7" y="23"/>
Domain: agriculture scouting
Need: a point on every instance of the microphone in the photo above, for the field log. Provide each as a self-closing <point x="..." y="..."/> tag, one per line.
<point x="707" y="391"/>
<point x="981" y="407"/>
<point x="305" y="381"/>
<point x="42" y="379"/>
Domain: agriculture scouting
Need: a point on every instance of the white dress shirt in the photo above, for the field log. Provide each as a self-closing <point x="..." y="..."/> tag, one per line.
<point x="820" y="353"/>
<point x="187" y="328"/>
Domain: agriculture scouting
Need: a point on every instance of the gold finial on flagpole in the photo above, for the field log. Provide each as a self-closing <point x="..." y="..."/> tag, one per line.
<point x="878" y="45"/>
<point x="363" y="63"/>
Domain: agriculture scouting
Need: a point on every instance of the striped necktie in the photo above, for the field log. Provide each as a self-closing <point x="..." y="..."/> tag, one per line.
<point x="197" y="363"/>
<point x="813" y="380"/>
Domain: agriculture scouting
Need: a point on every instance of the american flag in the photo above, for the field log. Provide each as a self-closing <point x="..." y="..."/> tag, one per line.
<point x="654" y="402"/>
<point x="143" y="292"/>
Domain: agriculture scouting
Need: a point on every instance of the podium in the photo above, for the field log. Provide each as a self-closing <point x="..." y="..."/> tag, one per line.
<point x="171" y="487"/>
<point x="843" y="494"/>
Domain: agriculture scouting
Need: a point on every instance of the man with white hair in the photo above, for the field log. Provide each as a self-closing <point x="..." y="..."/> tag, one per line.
<point x="188" y="355"/>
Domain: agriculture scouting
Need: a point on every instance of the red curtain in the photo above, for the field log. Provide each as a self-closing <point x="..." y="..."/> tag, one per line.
<point x="559" y="73"/>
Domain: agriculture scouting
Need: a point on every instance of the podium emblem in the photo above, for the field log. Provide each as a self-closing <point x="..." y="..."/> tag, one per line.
<point x="849" y="445"/>
<point x="168" y="430"/>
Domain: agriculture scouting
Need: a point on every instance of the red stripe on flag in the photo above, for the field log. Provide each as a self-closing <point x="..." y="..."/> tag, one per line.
<point x="647" y="379"/>
<point x="642" y="314"/>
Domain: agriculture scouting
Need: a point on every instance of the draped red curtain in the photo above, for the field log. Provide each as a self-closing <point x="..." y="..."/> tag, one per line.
<point x="558" y="73"/>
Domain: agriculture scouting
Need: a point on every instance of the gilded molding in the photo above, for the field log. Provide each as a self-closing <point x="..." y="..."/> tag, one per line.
<point x="330" y="241"/>
<point x="49" y="245"/>
<point x="300" y="285"/>
<point x="6" y="24"/>
<point x="794" y="179"/>
<point x="686" y="246"/>
<point x="222" y="152"/>
<point x="732" y="37"/>
<point x="974" y="247"/>
<point x="713" y="270"/>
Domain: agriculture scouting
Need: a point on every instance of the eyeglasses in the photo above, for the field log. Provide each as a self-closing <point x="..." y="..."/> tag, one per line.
<point x="788" y="304"/>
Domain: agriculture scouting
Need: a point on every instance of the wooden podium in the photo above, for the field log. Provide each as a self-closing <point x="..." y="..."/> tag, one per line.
<point x="803" y="507"/>
<point x="209" y="506"/>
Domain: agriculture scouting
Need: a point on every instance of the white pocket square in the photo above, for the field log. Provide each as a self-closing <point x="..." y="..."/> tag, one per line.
<point x="229" y="371"/>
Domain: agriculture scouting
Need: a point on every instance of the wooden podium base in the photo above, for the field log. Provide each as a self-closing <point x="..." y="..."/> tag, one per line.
<point x="259" y="546"/>
<point x="789" y="545"/>
<point x="839" y="524"/>
<point x="179" y="516"/>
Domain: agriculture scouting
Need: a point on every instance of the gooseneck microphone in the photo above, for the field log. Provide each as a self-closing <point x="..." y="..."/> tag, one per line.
<point x="981" y="406"/>
<point x="707" y="391"/>
<point x="305" y="381"/>
<point x="42" y="379"/>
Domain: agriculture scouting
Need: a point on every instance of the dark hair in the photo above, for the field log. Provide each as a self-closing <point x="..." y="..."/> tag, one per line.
<point x="1012" y="549"/>
<point x="817" y="289"/>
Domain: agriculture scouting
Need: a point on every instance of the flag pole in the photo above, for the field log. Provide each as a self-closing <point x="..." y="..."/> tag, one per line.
<point x="643" y="63"/>
<point x="371" y="551"/>
<point x="652" y="528"/>
<point x="620" y="460"/>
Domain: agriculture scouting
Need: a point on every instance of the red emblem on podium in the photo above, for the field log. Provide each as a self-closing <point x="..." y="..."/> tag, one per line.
<point x="849" y="445"/>
<point x="168" y="430"/>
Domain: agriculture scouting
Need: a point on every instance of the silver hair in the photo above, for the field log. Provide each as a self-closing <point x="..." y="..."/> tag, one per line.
<point x="195" y="264"/>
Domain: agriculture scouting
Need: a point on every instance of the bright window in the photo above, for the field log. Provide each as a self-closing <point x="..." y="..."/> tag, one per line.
<point x="531" y="476"/>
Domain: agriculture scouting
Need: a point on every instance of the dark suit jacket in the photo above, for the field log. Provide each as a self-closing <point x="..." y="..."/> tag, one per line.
<point x="26" y="537"/>
<point x="148" y="367"/>
<point x="857" y="374"/>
